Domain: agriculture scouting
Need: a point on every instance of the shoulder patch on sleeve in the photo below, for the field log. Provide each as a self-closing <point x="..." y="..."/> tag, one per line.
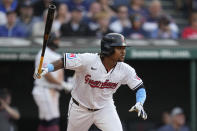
<point x="71" y="55"/>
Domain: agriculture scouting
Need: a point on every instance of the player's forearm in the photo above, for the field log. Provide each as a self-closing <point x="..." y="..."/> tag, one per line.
<point x="59" y="64"/>
<point x="56" y="65"/>
<point x="141" y="95"/>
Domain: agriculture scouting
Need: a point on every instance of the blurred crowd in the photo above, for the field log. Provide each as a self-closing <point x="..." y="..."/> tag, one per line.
<point x="174" y="120"/>
<point x="95" y="18"/>
<point x="8" y="114"/>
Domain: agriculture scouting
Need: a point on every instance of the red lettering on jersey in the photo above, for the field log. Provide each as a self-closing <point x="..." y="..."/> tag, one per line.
<point x="99" y="84"/>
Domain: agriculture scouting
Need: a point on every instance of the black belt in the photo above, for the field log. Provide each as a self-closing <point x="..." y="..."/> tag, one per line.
<point x="77" y="103"/>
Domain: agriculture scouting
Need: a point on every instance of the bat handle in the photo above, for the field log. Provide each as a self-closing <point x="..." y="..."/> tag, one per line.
<point x="40" y="66"/>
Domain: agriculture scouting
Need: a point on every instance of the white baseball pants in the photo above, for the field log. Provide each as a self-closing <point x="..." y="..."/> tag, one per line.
<point x="47" y="102"/>
<point x="80" y="119"/>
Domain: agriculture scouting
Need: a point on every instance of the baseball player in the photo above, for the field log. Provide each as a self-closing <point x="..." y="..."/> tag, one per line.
<point x="97" y="77"/>
<point x="46" y="89"/>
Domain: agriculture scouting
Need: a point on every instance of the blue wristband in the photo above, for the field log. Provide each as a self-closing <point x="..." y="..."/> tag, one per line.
<point x="50" y="67"/>
<point x="141" y="95"/>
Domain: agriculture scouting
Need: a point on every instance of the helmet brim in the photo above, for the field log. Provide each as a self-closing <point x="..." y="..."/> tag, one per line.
<point x="119" y="44"/>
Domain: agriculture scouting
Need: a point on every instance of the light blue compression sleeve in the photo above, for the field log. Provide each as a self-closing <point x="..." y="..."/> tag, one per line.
<point x="141" y="95"/>
<point x="50" y="67"/>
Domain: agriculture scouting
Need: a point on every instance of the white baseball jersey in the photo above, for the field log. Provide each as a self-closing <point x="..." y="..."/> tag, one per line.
<point x="46" y="98"/>
<point x="93" y="85"/>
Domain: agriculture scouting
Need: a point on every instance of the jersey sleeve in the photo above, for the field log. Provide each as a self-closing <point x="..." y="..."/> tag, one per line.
<point x="131" y="78"/>
<point x="73" y="61"/>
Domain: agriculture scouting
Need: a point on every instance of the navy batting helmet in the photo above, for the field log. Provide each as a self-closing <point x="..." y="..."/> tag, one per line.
<point x="109" y="41"/>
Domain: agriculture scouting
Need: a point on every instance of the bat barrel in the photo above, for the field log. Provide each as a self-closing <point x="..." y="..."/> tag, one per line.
<point x="49" y="22"/>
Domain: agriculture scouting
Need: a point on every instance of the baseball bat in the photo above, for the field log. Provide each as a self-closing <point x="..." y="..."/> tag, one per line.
<point x="48" y="25"/>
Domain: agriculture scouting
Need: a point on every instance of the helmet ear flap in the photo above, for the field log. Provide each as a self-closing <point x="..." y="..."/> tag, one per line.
<point x="106" y="48"/>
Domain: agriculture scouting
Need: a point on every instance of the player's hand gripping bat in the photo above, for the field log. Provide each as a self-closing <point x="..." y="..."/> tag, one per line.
<point x="48" y="25"/>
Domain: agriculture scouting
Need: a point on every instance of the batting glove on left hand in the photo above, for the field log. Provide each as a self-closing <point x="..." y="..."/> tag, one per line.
<point x="138" y="107"/>
<point x="37" y="75"/>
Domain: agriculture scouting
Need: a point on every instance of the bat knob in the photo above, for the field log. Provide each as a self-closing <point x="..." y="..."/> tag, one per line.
<point x="52" y="6"/>
<point x="36" y="76"/>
